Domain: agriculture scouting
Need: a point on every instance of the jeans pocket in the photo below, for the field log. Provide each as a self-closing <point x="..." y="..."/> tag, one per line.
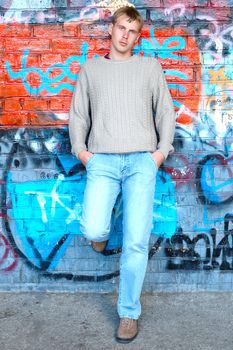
<point x="90" y="160"/>
<point x="154" y="162"/>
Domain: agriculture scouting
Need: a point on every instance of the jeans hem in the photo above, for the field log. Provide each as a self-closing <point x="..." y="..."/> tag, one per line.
<point x="129" y="316"/>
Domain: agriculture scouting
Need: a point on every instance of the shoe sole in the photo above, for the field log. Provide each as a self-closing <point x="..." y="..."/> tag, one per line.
<point x="125" y="341"/>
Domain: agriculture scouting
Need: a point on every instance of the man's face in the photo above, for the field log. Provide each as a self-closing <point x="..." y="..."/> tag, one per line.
<point x="124" y="34"/>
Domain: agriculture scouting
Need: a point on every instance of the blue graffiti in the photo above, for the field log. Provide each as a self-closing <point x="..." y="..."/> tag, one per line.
<point x="165" y="211"/>
<point x="175" y="86"/>
<point x="164" y="51"/>
<point x="207" y="220"/>
<point x="216" y="180"/>
<point x="46" y="79"/>
<point x="44" y="211"/>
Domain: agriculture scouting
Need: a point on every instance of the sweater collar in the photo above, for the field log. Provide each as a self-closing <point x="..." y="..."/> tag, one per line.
<point x="106" y="58"/>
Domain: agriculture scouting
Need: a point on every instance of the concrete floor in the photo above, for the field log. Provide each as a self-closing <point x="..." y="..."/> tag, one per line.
<point x="59" y="321"/>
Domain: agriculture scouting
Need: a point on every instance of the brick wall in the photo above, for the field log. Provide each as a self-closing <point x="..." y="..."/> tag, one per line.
<point x="41" y="183"/>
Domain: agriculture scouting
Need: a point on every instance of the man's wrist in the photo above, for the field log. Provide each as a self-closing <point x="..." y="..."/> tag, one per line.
<point x="78" y="154"/>
<point x="160" y="154"/>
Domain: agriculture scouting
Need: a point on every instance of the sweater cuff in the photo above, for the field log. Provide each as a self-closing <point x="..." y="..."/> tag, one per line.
<point x="77" y="148"/>
<point x="165" y="150"/>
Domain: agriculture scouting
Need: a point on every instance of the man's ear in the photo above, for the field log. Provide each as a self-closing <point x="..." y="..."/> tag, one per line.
<point x="110" y="29"/>
<point x="138" y="37"/>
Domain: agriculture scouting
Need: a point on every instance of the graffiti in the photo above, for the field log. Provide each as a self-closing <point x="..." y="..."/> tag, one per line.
<point x="201" y="252"/>
<point x="171" y="51"/>
<point x="42" y="184"/>
<point x="215" y="42"/>
<point x="46" y="78"/>
<point x="48" y="11"/>
<point x="26" y="11"/>
<point x="60" y="76"/>
<point x="44" y="209"/>
<point x="101" y="10"/>
<point x="172" y="11"/>
<point x="215" y="179"/>
<point x="166" y="50"/>
<point x="8" y="257"/>
<point x="186" y="253"/>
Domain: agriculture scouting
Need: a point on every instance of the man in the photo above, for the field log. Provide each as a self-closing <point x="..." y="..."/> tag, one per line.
<point x="121" y="143"/>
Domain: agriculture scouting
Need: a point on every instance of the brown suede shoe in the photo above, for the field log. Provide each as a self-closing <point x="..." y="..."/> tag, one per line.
<point x="127" y="330"/>
<point x="99" y="246"/>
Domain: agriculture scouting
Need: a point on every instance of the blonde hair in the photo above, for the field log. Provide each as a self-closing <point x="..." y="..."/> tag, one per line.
<point x="130" y="12"/>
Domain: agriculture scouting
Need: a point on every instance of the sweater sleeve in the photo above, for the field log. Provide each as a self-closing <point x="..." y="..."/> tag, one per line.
<point x="79" y="116"/>
<point x="164" y="112"/>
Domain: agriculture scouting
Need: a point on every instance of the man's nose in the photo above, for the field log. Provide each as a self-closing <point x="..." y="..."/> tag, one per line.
<point x="125" y="34"/>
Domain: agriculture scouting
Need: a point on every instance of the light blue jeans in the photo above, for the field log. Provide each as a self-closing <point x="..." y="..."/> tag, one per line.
<point x="134" y="174"/>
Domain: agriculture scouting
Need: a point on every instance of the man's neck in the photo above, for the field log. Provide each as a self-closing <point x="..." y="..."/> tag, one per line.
<point x="119" y="57"/>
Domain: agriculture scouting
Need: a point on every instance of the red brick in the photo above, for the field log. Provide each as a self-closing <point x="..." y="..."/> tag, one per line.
<point x="16" y="44"/>
<point x="14" y="119"/>
<point x="33" y="79"/>
<point x="2" y="103"/>
<point x="60" y="104"/>
<point x="2" y="44"/>
<point x="55" y="72"/>
<point x="191" y="90"/>
<point x="100" y="44"/>
<point x="66" y="44"/>
<point x="74" y="67"/>
<point x="187" y="71"/>
<point x="15" y="59"/>
<point x="33" y="59"/>
<point x="99" y="52"/>
<point x="173" y="92"/>
<point x="2" y="61"/>
<point x="168" y="62"/>
<point x="48" y="31"/>
<point x="50" y="59"/>
<point x="163" y="33"/>
<point x="39" y="104"/>
<point x="12" y="104"/>
<point x="3" y="76"/>
<point x="170" y="32"/>
<point x="15" y="30"/>
<point x="8" y="90"/>
<point x="71" y="29"/>
<point x="184" y="119"/>
<point x="191" y="44"/>
<point x="8" y="80"/>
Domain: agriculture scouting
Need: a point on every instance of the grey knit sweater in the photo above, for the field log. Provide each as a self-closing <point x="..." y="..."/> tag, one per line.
<point x="121" y="107"/>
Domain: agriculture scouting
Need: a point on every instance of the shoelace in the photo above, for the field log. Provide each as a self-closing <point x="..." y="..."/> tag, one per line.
<point x="126" y="322"/>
